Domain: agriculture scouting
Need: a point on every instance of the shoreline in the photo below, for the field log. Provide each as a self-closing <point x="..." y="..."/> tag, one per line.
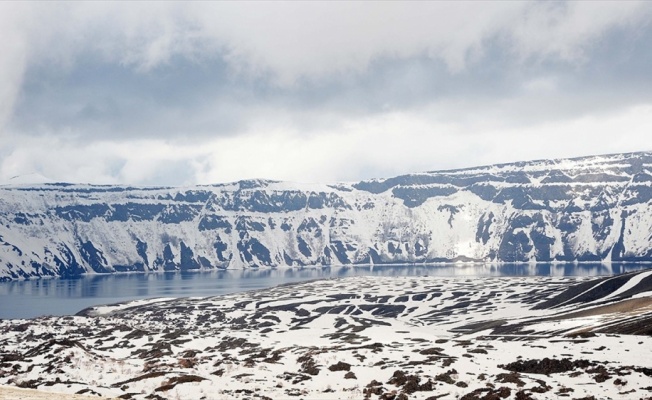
<point x="460" y="264"/>
<point x="60" y="297"/>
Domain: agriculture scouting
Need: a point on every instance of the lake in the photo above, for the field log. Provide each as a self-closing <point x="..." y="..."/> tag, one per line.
<point x="33" y="298"/>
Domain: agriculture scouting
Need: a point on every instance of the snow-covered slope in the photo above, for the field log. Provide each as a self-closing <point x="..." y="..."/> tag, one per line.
<point x="585" y="209"/>
<point x="376" y="338"/>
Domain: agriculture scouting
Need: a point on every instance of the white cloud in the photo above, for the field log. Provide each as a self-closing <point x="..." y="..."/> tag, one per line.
<point x="13" y="49"/>
<point x="294" y="39"/>
<point x="380" y="146"/>
<point x="289" y="45"/>
<point x="565" y="30"/>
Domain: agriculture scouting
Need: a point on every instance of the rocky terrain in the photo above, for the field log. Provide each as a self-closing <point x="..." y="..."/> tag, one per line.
<point x="360" y="337"/>
<point x="585" y="209"/>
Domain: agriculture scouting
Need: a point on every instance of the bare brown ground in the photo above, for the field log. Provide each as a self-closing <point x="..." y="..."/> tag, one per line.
<point x="13" y="393"/>
<point x="637" y="306"/>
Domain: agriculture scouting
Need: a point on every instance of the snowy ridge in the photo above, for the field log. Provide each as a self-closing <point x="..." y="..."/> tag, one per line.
<point x="583" y="209"/>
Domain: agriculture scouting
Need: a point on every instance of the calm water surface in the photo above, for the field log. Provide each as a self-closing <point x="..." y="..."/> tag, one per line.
<point x="28" y="299"/>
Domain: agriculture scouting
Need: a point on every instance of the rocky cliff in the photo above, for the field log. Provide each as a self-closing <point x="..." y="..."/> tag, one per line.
<point x="583" y="209"/>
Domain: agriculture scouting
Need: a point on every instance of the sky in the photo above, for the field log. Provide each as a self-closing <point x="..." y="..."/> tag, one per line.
<point x="184" y="93"/>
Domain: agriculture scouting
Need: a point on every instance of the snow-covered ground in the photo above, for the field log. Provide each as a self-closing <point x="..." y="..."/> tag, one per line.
<point x="13" y="393"/>
<point x="360" y="337"/>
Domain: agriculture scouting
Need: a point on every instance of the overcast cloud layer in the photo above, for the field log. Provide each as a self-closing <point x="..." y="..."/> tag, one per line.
<point x="186" y="93"/>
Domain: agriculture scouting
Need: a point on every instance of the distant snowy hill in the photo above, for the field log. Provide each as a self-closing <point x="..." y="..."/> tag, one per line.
<point x="585" y="209"/>
<point x="28" y="179"/>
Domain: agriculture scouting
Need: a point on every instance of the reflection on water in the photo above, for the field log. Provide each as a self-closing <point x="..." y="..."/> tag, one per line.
<point x="26" y="299"/>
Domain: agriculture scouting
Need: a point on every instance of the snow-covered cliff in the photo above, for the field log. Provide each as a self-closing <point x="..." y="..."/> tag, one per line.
<point x="587" y="209"/>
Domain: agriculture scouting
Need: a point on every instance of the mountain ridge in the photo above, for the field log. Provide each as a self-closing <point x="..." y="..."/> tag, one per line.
<point x="593" y="208"/>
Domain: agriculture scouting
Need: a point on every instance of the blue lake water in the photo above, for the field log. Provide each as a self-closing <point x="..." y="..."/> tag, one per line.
<point x="28" y="299"/>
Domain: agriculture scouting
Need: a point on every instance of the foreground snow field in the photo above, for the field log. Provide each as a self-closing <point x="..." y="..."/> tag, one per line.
<point x="12" y="393"/>
<point x="362" y="337"/>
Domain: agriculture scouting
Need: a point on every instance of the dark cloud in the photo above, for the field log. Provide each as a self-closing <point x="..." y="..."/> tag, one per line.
<point x="204" y="97"/>
<point x="99" y="100"/>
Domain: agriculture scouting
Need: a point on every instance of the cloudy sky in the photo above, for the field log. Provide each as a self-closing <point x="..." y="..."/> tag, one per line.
<point x="185" y="93"/>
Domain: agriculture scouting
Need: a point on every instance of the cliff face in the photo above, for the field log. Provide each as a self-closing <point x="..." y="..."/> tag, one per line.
<point x="586" y="209"/>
